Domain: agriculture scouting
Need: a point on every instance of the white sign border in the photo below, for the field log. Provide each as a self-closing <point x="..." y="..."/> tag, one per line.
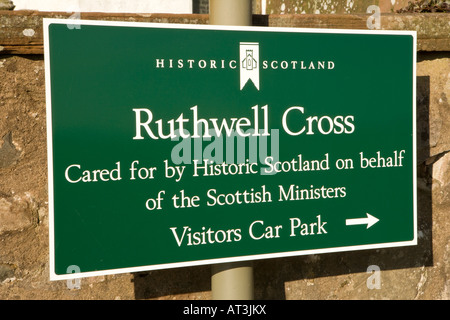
<point x="70" y="22"/>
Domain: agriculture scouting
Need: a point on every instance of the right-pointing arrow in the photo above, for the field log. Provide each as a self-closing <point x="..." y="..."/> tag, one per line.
<point x="370" y="221"/>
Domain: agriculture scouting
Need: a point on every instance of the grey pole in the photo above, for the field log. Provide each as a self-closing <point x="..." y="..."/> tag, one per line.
<point x="230" y="12"/>
<point x="231" y="281"/>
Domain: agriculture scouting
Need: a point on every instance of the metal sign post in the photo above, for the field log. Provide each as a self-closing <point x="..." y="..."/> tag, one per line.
<point x="230" y="12"/>
<point x="231" y="280"/>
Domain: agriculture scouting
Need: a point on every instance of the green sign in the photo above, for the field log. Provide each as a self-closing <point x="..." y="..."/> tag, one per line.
<point x="181" y="145"/>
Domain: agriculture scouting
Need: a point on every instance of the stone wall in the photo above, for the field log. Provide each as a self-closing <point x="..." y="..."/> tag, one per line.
<point x="418" y="272"/>
<point x="350" y="6"/>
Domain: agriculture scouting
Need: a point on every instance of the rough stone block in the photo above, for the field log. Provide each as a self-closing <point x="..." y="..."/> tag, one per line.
<point x="17" y="213"/>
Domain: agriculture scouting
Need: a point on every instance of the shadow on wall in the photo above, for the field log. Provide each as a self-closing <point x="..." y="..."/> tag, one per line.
<point x="271" y="275"/>
<point x="200" y="6"/>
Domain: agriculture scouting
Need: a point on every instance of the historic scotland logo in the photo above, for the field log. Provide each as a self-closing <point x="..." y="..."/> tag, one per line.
<point x="249" y="63"/>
